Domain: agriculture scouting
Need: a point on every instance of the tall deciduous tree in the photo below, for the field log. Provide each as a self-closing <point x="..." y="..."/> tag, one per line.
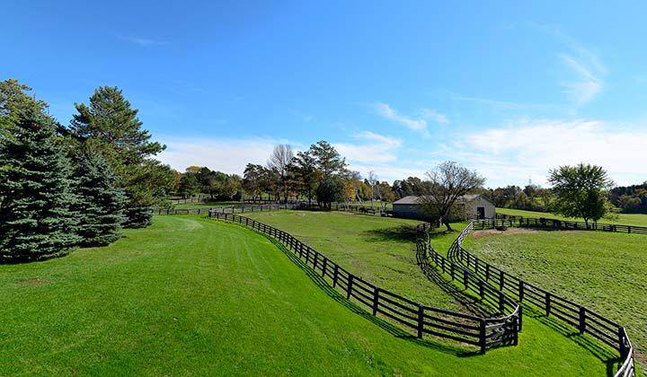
<point x="36" y="221"/>
<point x="100" y="209"/>
<point x="328" y="160"/>
<point x="306" y="174"/>
<point x="111" y="126"/>
<point x="447" y="182"/>
<point x="279" y="161"/>
<point x="581" y="191"/>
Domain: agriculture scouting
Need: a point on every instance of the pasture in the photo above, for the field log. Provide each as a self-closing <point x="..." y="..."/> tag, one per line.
<point x="604" y="271"/>
<point x="636" y="219"/>
<point x="192" y="296"/>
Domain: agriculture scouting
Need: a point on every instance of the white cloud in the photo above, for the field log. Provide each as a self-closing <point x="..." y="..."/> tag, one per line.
<point x="415" y="124"/>
<point x="435" y="116"/>
<point x="372" y="148"/>
<point x="529" y="148"/>
<point x="225" y="154"/>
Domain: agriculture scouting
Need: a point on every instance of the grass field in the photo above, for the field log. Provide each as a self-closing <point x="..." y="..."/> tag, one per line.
<point x="191" y="296"/>
<point x="636" y="219"/>
<point x="604" y="271"/>
<point x="378" y="249"/>
<point x="350" y="240"/>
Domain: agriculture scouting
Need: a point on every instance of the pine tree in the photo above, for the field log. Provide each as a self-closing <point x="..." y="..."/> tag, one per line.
<point x="100" y="209"/>
<point x="111" y="126"/>
<point x="35" y="185"/>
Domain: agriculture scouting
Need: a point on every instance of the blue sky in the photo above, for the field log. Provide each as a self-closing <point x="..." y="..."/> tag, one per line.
<point x="511" y="89"/>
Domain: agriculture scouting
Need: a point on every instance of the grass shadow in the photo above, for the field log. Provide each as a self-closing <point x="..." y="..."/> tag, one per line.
<point x="406" y="233"/>
<point x="602" y="352"/>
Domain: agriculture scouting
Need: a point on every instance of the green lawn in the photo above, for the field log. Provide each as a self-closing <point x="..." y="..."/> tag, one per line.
<point x="191" y="296"/>
<point x="604" y="271"/>
<point x="381" y="250"/>
<point x="636" y="219"/>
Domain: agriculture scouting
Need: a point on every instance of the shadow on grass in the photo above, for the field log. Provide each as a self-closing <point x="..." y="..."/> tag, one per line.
<point x="400" y="233"/>
<point x="602" y="352"/>
<point x="406" y="233"/>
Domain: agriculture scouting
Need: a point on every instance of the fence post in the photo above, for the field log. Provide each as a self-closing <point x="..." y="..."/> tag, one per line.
<point x="520" y="290"/>
<point x="501" y="280"/>
<point x="547" y="304"/>
<point x="350" y="284"/>
<point x="421" y="320"/>
<point x="465" y="278"/>
<point x="376" y="296"/>
<point x="323" y="268"/>
<point x="582" y="324"/>
<point x="501" y="302"/>
<point x="335" y="275"/>
<point x="621" y="340"/>
<point x="482" y="339"/>
<point x="481" y="289"/>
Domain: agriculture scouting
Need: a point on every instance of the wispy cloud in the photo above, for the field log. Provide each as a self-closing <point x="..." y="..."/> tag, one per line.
<point x="588" y="82"/>
<point x="529" y="148"/>
<point x="144" y="42"/>
<point x="415" y="124"/>
<point x="583" y="64"/>
<point x="435" y="116"/>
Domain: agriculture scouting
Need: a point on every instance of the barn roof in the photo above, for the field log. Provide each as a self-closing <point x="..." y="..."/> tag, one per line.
<point x="411" y="199"/>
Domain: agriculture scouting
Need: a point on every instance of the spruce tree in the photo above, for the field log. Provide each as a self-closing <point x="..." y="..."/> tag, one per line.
<point x="100" y="209"/>
<point x="111" y="125"/>
<point x="36" y="221"/>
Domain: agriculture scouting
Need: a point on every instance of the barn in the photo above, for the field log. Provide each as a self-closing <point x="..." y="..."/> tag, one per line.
<point x="468" y="207"/>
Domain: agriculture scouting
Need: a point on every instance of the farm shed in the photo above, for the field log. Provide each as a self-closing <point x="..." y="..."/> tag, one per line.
<point x="467" y="207"/>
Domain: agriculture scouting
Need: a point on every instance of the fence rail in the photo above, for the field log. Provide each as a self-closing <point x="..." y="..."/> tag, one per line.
<point x="412" y="316"/>
<point x="546" y="223"/>
<point x="585" y="320"/>
<point x="238" y="208"/>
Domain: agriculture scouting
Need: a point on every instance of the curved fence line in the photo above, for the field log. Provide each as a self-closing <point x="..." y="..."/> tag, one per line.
<point x="585" y="320"/>
<point x="547" y="223"/>
<point x="408" y="314"/>
<point x="503" y="327"/>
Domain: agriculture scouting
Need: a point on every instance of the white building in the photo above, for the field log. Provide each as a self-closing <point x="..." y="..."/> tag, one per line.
<point x="469" y="206"/>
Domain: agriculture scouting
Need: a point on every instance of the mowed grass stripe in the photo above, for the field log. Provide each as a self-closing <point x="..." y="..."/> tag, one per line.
<point x="191" y="296"/>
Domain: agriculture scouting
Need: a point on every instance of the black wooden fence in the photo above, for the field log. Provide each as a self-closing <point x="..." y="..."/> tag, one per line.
<point x="545" y="223"/>
<point x="412" y="316"/>
<point x="583" y="319"/>
<point x="503" y="327"/>
<point x="238" y="208"/>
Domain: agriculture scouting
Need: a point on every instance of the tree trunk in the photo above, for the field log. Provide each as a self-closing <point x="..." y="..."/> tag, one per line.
<point x="445" y="222"/>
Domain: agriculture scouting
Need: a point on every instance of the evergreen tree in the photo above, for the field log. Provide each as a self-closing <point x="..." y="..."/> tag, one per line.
<point x="100" y="210"/>
<point x="111" y="126"/>
<point x="35" y="185"/>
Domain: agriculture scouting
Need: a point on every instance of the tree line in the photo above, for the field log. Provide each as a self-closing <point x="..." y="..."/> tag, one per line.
<point x="64" y="186"/>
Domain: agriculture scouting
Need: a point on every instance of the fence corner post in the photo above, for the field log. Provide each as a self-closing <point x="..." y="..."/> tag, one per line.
<point x="482" y="334"/>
